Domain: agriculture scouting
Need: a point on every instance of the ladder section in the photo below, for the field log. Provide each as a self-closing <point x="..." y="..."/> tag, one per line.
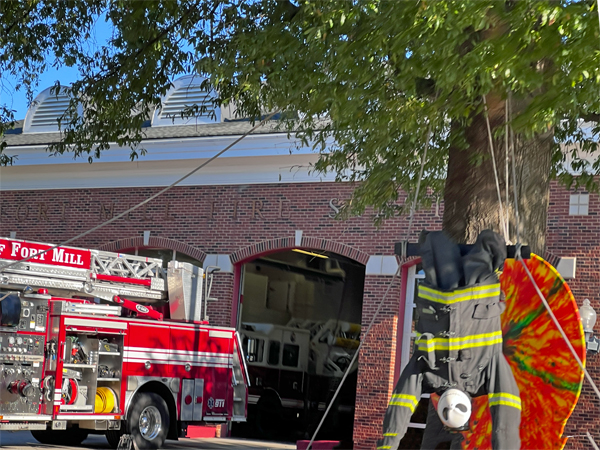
<point x="128" y="269"/>
<point x="92" y="273"/>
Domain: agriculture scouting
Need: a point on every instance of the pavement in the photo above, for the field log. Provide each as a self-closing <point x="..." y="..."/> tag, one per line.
<point x="20" y="440"/>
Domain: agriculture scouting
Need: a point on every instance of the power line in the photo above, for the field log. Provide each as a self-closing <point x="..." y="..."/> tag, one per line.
<point x="152" y="197"/>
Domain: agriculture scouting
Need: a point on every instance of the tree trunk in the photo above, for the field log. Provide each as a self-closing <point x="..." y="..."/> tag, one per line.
<point x="471" y="200"/>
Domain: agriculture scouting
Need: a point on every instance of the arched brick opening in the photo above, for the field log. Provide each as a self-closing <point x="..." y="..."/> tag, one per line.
<point x="248" y="254"/>
<point x="285" y="243"/>
<point x="157" y="242"/>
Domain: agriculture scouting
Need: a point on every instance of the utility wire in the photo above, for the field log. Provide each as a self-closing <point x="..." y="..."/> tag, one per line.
<point x="142" y="203"/>
<point x="557" y="324"/>
<point x="537" y="289"/>
<point x="503" y="220"/>
<point x="391" y="283"/>
<point x="347" y="372"/>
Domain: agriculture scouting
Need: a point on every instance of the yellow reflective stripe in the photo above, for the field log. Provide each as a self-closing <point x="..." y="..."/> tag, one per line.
<point x="504" y="398"/>
<point x="405" y="404"/>
<point x="463" y="295"/>
<point x="406" y="400"/>
<point x="390" y="434"/>
<point x="458" y="343"/>
<point x="458" y="292"/>
<point x="505" y="403"/>
<point x="384" y="447"/>
<point x="516" y="398"/>
<point x="409" y="397"/>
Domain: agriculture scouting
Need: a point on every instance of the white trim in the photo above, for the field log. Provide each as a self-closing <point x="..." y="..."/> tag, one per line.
<point x="88" y="417"/>
<point x="31" y="418"/>
<point x="381" y="265"/>
<point x="95" y="323"/>
<point x="220" y="334"/>
<point x="258" y="159"/>
<point x="167" y="362"/>
<point x="566" y="267"/>
<point x="243" y="171"/>
<point x="169" y="149"/>
<point x="298" y="238"/>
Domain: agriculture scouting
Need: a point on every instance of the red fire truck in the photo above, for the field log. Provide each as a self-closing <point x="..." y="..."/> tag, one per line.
<point x="107" y="343"/>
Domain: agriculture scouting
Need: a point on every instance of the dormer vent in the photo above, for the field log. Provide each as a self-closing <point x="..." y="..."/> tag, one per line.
<point x="46" y="110"/>
<point x="186" y="92"/>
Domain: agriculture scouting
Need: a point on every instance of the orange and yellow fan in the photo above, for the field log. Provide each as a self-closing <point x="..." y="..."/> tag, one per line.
<point x="546" y="371"/>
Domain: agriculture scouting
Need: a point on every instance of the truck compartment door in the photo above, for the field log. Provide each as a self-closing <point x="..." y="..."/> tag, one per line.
<point x="192" y="391"/>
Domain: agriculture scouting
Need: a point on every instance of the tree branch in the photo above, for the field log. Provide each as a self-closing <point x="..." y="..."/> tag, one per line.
<point x="14" y="24"/>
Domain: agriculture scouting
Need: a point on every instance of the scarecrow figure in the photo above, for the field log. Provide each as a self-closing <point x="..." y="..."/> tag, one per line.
<point x="458" y="349"/>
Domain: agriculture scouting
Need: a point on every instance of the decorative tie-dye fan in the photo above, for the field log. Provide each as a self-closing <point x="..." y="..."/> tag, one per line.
<point x="546" y="372"/>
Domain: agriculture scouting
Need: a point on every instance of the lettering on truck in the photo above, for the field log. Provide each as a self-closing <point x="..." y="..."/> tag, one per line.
<point x="25" y="252"/>
<point x="45" y="254"/>
<point x="59" y="255"/>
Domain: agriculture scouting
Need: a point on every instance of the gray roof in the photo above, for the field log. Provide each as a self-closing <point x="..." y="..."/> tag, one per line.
<point x="16" y="137"/>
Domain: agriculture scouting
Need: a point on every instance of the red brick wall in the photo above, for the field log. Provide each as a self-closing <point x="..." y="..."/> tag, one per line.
<point x="376" y="359"/>
<point x="219" y="311"/>
<point x="579" y="236"/>
<point x="248" y="219"/>
<point x="242" y="221"/>
<point x="214" y="219"/>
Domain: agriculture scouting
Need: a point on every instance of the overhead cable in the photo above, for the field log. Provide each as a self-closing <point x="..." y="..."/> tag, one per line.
<point x="152" y="197"/>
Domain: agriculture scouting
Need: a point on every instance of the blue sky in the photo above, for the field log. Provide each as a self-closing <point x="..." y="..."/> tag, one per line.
<point x="64" y="74"/>
<point x="19" y="102"/>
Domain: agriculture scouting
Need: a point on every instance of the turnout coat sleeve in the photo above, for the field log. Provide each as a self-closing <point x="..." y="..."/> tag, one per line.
<point x="402" y="404"/>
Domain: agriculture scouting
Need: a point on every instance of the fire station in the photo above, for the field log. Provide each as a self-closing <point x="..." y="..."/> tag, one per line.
<point x="297" y="283"/>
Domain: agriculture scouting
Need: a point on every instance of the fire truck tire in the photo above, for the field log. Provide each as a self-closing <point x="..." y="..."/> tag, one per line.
<point x="148" y="420"/>
<point x="114" y="437"/>
<point x="71" y="437"/>
<point x="269" y="415"/>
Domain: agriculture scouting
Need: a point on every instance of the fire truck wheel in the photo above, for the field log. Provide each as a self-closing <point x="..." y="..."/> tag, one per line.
<point x="72" y="436"/>
<point x="114" y="437"/>
<point x="268" y="415"/>
<point x="148" y="420"/>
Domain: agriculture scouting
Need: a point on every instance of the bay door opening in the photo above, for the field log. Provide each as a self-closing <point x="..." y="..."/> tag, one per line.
<point x="299" y="319"/>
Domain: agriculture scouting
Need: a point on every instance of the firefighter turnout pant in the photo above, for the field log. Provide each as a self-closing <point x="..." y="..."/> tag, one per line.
<point x="459" y="345"/>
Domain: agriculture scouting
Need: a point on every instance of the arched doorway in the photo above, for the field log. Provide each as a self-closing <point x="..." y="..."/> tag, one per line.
<point x="299" y="316"/>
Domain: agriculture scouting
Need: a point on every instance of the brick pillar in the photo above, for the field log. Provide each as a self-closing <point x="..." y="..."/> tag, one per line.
<point x="376" y="360"/>
<point x="219" y="312"/>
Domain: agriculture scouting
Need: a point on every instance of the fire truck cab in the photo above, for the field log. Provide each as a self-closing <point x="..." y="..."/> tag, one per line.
<point x="106" y="343"/>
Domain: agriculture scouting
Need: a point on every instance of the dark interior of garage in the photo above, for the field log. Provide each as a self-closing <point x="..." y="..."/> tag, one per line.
<point x="299" y="319"/>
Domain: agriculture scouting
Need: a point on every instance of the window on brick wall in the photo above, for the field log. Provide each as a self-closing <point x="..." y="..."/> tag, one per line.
<point x="579" y="204"/>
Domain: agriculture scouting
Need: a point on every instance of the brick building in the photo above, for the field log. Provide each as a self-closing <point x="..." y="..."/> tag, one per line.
<point x="259" y="198"/>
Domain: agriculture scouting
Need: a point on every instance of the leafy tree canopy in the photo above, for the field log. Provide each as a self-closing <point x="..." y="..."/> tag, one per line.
<point x="381" y="79"/>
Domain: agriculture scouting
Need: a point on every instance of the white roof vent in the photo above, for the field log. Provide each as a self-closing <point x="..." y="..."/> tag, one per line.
<point x="186" y="92"/>
<point x="46" y="110"/>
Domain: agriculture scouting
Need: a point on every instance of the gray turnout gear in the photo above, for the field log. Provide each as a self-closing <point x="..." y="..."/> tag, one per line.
<point x="459" y="342"/>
